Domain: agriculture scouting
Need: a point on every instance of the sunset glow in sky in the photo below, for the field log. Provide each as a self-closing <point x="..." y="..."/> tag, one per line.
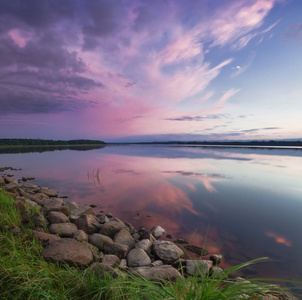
<point x="138" y="70"/>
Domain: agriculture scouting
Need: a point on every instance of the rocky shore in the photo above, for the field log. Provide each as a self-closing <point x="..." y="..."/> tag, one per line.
<point x="75" y="235"/>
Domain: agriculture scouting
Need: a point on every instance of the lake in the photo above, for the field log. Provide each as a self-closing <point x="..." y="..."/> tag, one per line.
<point x="244" y="203"/>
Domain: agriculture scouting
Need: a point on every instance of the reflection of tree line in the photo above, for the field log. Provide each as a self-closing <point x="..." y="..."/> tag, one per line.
<point x="41" y="149"/>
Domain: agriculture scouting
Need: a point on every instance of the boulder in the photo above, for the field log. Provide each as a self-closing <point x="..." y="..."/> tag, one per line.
<point x="100" y="270"/>
<point x="57" y="217"/>
<point x="200" y="268"/>
<point x="197" y="250"/>
<point x="99" y="240"/>
<point x="68" y="251"/>
<point x="11" y="187"/>
<point x="167" y="251"/>
<point x="45" y="238"/>
<point x="112" y="227"/>
<point x="39" y="220"/>
<point x="88" y="223"/>
<point x="138" y="258"/>
<point x="49" y="192"/>
<point x="80" y="236"/>
<point x="157" y="231"/>
<point x="39" y="198"/>
<point x="119" y="250"/>
<point x="124" y="237"/>
<point x="52" y="204"/>
<point x="157" y="273"/>
<point x="145" y="245"/>
<point x="71" y="205"/>
<point x="63" y="229"/>
<point x="82" y="210"/>
<point x="111" y="260"/>
<point x="30" y="186"/>
<point x="216" y="259"/>
<point x="11" y="180"/>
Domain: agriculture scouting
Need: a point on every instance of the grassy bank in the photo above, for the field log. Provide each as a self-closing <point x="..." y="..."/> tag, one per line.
<point x="24" y="274"/>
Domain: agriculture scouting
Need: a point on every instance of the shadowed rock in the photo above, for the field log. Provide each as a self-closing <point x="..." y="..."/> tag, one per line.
<point x="197" y="250"/>
<point x="68" y="251"/>
<point x="88" y="223"/>
<point x="80" y="236"/>
<point x="119" y="250"/>
<point x="45" y="238"/>
<point x="100" y="269"/>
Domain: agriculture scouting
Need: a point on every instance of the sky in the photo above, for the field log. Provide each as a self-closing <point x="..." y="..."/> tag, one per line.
<point x="160" y="70"/>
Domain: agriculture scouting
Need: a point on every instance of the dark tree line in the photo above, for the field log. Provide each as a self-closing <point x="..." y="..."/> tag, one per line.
<point x="40" y="142"/>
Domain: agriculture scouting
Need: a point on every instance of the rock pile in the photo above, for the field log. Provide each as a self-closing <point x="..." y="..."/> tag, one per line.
<point x="78" y="237"/>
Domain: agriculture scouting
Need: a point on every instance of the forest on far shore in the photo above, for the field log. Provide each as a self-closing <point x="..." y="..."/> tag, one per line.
<point x="40" y="142"/>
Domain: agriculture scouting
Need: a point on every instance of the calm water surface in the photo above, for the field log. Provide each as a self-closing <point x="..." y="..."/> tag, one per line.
<point x="247" y="203"/>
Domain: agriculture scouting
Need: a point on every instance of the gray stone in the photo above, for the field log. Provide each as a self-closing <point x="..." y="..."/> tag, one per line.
<point x="138" y="258"/>
<point x="89" y="223"/>
<point x="111" y="260"/>
<point x="119" y="250"/>
<point x="31" y="204"/>
<point x="157" y="273"/>
<point x="145" y="245"/>
<point x="71" y="205"/>
<point x="123" y="264"/>
<point x="124" y="237"/>
<point x="68" y="251"/>
<point x="29" y="186"/>
<point x="216" y="272"/>
<point x="103" y="219"/>
<point x="131" y="227"/>
<point x="99" y="240"/>
<point x="52" y="204"/>
<point x="112" y="227"/>
<point x="49" y="192"/>
<point x="200" y="268"/>
<point x="82" y="210"/>
<point x="100" y="270"/>
<point x="97" y="255"/>
<point x="80" y="236"/>
<point x="167" y="251"/>
<point x="39" y="220"/>
<point x="157" y="263"/>
<point x="39" y="198"/>
<point x="45" y="238"/>
<point x="57" y="217"/>
<point x="11" y="180"/>
<point x="11" y="187"/>
<point x="136" y="236"/>
<point x="216" y="259"/>
<point x="63" y="229"/>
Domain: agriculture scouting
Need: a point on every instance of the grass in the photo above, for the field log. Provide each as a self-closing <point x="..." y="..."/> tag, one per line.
<point x="24" y="274"/>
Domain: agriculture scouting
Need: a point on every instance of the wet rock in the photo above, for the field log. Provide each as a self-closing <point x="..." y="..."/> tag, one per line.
<point x="39" y="198"/>
<point x="167" y="251"/>
<point x="145" y="245"/>
<point x="103" y="219"/>
<point x="31" y="204"/>
<point x="45" y="238"/>
<point x="144" y="233"/>
<point x="99" y="240"/>
<point x="92" y="205"/>
<point x="157" y="273"/>
<point x="71" y="205"/>
<point x="157" y="231"/>
<point x="130" y="227"/>
<point x="80" y="236"/>
<point x="216" y="272"/>
<point x="169" y="236"/>
<point x="39" y="220"/>
<point x="88" y="223"/>
<point x="119" y="250"/>
<point x="109" y="215"/>
<point x="181" y="241"/>
<point x="82" y="210"/>
<point x="157" y="263"/>
<point x="197" y="250"/>
<point x="112" y="227"/>
<point x="49" y="192"/>
<point x="63" y="229"/>
<point x="110" y="260"/>
<point x="137" y="258"/>
<point x="216" y="259"/>
<point x="199" y="267"/>
<point x="100" y="269"/>
<point x="68" y="251"/>
<point x="10" y="175"/>
<point x="57" y="217"/>
<point x="124" y="237"/>
<point x="52" y="204"/>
